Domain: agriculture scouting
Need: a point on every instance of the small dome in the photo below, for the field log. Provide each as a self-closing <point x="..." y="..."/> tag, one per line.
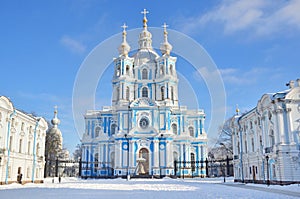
<point x="165" y="47"/>
<point x="124" y="48"/>
<point x="55" y="121"/>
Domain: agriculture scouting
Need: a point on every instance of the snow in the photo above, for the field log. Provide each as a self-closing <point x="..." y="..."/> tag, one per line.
<point x="76" y="188"/>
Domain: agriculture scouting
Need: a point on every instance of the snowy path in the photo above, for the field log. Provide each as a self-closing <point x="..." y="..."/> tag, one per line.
<point x="140" y="188"/>
<point x="266" y="189"/>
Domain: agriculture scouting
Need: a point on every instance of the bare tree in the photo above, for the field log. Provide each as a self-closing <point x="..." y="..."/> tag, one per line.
<point x="223" y="145"/>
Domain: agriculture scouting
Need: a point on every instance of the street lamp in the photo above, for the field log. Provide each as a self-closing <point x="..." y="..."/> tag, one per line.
<point x="268" y="177"/>
<point x="128" y="177"/>
<point x="161" y="136"/>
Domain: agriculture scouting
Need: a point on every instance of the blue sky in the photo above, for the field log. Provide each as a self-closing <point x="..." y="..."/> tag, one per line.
<point x="255" y="45"/>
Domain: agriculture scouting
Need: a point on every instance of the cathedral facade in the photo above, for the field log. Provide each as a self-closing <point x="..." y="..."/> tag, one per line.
<point x="144" y="130"/>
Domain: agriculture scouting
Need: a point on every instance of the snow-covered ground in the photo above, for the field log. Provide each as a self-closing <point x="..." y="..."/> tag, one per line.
<point x="145" y="188"/>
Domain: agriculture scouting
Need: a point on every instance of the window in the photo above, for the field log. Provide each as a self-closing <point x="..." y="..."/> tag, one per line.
<point x="162" y="90"/>
<point x="22" y="126"/>
<point x="38" y="149"/>
<point x="238" y="147"/>
<point x="171" y="69"/>
<point x="162" y="71"/>
<point x="127" y="93"/>
<point x="144" y="123"/>
<point x="0" y="116"/>
<point x="118" y="71"/>
<point x="20" y="145"/>
<point x="174" y="129"/>
<point x="144" y="73"/>
<point x="250" y="170"/>
<point x="145" y="92"/>
<point x="12" y="122"/>
<point x="9" y="172"/>
<point x="191" y="130"/>
<point x="272" y="138"/>
<point x="172" y="93"/>
<point x="246" y="147"/>
<point x="118" y="93"/>
<point x="127" y="70"/>
<point x="260" y="141"/>
<point x="113" y="129"/>
<point x="97" y="131"/>
<point x="252" y="144"/>
<point x="28" y="172"/>
<point x="10" y="143"/>
<point x="29" y="147"/>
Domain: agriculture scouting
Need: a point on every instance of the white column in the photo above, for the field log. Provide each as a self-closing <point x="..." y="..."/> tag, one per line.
<point x="155" y="153"/>
<point x="118" y="154"/>
<point x="131" y="153"/>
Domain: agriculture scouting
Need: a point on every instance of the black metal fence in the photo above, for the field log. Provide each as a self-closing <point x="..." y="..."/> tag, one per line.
<point x="182" y="169"/>
<point x="204" y="168"/>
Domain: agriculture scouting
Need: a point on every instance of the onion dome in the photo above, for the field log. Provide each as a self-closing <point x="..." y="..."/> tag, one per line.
<point x="165" y="47"/>
<point x="124" y="48"/>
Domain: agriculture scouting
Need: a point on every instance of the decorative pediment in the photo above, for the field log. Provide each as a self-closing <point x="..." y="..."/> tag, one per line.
<point x="143" y="102"/>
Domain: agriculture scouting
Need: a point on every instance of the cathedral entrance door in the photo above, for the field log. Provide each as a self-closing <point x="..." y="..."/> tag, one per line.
<point x="143" y="162"/>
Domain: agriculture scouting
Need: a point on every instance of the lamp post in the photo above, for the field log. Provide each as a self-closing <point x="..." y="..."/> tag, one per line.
<point x="128" y="177"/>
<point x="160" y="174"/>
<point x="268" y="177"/>
<point x="224" y="172"/>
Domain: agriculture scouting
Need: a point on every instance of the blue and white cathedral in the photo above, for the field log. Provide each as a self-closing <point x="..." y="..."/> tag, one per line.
<point x="145" y="130"/>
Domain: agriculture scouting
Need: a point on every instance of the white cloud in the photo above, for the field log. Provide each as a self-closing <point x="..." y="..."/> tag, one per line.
<point x="256" y="17"/>
<point x="235" y="76"/>
<point x="72" y="44"/>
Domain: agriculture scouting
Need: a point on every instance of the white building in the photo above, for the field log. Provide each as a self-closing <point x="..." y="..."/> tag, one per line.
<point x="22" y="145"/>
<point x="145" y="130"/>
<point x="266" y="142"/>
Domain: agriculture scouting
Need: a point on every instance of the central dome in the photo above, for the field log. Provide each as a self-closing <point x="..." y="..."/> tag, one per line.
<point x="145" y="56"/>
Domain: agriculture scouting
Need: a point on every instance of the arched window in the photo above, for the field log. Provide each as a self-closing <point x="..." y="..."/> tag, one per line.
<point x="20" y="145"/>
<point x="162" y="90"/>
<point x="113" y="129"/>
<point x="145" y="92"/>
<point x="29" y="147"/>
<point x="0" y="116"/>
<point x="38" y="149"/>
<point x="118" y="71"/>
<point x="97" y="131"/>
<point x="162" y="71"/>
<point x="172" y="93"/>
<point x="11" y="143"/>
<point x="127" y="70"/>
<point x="144" y="73"/>
<point x="127" y="93"/>
<point x="191" y="130"/>
<point x="22" y="126"/>
<point x="174" y="129"/>
<point x="252" y="144"/>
